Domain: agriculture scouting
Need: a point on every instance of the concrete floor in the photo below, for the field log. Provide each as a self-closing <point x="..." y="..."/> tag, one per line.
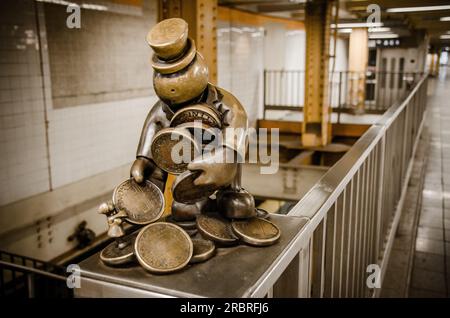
<point x="420" y="261"/>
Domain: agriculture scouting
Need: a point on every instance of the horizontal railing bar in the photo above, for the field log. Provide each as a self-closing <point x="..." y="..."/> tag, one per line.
<point x="321" y="196"/>
<point x="31" y="270"/>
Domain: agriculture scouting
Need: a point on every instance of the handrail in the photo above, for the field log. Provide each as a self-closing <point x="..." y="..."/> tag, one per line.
<point x="346" y="167"/>
<point x="30" y="270"/>
<point x="355" y="207"/>
<point x="371" y="92"/>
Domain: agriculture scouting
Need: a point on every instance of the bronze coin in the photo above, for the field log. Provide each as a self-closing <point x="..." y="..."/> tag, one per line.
<point x="200" y="112"/>
<point x="143" y="203"/>
<point x="169" y="146"/>
<point x="217" y="229"/>
<point x="256" y="231"/>
<point x="163" y="247"/>
<point x="185" y="225"/>
<point x="119" y="252"/>
<point x="185" y="191"/>
<point x="203" y="250"/>
<point x="203" y="134"/>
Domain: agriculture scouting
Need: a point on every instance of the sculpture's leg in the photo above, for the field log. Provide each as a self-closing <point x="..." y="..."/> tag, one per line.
<point x="234" y="202"/>
<point x="186" y="212"/>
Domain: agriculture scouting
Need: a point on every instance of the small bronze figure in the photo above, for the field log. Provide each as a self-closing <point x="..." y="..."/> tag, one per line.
<point x="121" y="251"/>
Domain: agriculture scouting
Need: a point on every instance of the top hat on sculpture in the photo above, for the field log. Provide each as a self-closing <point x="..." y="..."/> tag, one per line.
<point x="181" y="73"/>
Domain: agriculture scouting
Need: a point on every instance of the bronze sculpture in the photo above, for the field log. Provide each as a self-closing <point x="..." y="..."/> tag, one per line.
<point x="195" y="114"/>
<point x="181" y="81"/>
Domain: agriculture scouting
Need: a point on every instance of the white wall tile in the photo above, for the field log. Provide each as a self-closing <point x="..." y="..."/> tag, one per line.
<point x="24" y="161"/>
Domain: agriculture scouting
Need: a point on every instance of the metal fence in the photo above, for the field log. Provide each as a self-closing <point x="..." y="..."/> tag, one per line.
<point x="368" y="92"/>
<point x="353" y="211"/>
<point x="25" y="277"/>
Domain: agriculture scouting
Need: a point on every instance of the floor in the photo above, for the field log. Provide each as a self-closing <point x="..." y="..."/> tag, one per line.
<point x="420" y="261"/>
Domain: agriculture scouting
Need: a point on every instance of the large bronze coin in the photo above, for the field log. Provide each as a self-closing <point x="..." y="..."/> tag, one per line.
<point x="203" y="250"/>
<point x="185" y="191"/>
<point x="217" y="229"/>
<point x="203" y="134"/>
<point x="143" y="203"/>
<point x="256" y="231"/>
<point x="200" y="112"/>
<point x="163" y="248"/>
<point x="173" y="148"/>
<point x="119" y="252"/>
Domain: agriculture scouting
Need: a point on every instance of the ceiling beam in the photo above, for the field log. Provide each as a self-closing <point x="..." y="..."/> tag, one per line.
<point x="280" y="7"/>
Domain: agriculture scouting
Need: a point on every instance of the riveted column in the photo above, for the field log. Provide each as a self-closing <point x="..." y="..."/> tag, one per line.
<point x="201" y="15"/>
<point x="316" y="128"/>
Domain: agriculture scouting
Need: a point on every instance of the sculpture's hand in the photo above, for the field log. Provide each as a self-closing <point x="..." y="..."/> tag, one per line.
<point x="215" y="170"/>
<point x="141" y="169"/>
<point x="144" y="169"/>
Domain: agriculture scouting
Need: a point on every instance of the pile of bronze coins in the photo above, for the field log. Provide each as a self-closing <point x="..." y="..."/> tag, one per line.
<point x="164" y="245"/>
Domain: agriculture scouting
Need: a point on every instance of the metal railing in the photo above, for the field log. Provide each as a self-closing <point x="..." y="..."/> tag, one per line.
<point x="353" y="211"/>
<point x="367" y="92"/>
<point x="352" y="215"/>
<point x="25" y="277"/>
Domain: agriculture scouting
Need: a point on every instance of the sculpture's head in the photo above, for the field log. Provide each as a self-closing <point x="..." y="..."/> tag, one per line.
<point x="180" y="72"/>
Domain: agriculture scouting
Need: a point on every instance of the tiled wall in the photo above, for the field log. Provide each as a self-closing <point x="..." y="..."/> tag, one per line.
<point x="23" y="158"/>
<point x="87" y="140"/>
<point x="83" y="140"/>
<point x="240" y="64"/>
<point x="98" y="62"/>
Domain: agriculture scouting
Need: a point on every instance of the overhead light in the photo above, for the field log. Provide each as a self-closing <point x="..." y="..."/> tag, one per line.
<point x="445" y="37"/>
<point x="358" y="25"/>
<point x="379" y="30"/>
<point x="346" y="30"/>
<point x="418" y="9"/>
<point x="383" y="36"/>
<point x="445" y="19"/>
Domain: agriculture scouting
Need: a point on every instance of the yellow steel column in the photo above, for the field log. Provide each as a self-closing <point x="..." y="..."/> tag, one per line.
<point x="201" y="16"/>
<point x="316" y="128"/>
<point x="357" y="65"/>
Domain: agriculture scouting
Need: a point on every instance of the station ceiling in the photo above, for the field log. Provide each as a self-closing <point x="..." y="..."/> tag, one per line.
<point x="435" y="22"/>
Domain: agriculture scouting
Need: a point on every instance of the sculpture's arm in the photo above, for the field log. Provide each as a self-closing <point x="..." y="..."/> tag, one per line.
<point x="235" y="122"/>
<point x="221" y="166"/>
<point x="143" y="167"/>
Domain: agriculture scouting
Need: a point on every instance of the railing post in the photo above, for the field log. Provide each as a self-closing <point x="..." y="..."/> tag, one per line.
<point x="380" y="194"/>
<point x="339" y="98"/>
<point x="264" y="94"/>
<point x="30" y="285"/>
